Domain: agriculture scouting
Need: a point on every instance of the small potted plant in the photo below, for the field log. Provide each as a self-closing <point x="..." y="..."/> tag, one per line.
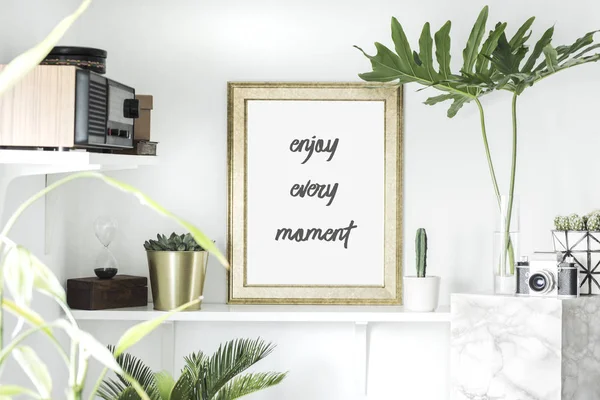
<point x="421" y="293"/>
<point x="177" y="266"/>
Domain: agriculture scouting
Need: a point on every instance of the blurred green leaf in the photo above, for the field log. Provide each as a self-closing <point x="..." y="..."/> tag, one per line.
<point x="35" y="370"/>
<point x="165" y="384"/>
<point x="24" y="63"/>
<point x="141" y="330"/>
<point x="13" y="390"/>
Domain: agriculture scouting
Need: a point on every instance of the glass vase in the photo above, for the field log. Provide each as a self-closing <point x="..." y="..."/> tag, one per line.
<point x="506" y="245"/>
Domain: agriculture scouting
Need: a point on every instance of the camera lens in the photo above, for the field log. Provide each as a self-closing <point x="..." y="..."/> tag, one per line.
<point x="538" y="282"/>
<point x="541" y="282"/>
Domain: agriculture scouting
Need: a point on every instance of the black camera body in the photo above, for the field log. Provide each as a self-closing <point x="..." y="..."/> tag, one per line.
<point x="547" y="275"/>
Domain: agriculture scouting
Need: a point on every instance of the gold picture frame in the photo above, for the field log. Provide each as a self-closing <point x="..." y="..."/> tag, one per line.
<point x="240" y="292"/>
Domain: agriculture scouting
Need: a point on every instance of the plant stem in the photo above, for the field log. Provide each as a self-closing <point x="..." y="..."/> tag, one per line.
<point x="487" y="150"/>
<point x="511" y="190"/>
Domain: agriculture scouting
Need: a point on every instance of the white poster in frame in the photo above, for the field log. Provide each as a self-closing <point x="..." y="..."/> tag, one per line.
<point x="315" y="193"/>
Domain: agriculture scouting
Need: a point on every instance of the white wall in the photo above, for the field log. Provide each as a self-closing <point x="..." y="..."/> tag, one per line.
<point x="183" y="52"/>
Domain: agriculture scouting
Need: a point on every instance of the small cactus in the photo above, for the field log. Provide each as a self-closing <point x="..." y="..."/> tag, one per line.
<point x="174" y="242"/>
<point x="593" y="221"/>
<point x="421" y="250"/>
<point x="561" y="223"/>
<point x="575" y="223"/>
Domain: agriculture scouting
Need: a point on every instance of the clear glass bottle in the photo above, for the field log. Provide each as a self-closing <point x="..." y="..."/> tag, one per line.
<point x="506" y="245"/>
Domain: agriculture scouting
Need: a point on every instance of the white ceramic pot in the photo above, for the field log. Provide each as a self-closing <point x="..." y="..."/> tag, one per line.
<point x="421" y="294"/>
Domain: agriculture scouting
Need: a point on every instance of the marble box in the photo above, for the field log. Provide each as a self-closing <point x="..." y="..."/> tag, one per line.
<point x="525" y="348"/>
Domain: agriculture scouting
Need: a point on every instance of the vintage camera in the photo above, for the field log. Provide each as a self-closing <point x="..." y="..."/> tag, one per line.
<point x="547" y="275"/>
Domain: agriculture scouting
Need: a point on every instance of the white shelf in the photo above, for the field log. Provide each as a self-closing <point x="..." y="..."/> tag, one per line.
<point x="272" y="313"/>
<point x="72" y="160"/>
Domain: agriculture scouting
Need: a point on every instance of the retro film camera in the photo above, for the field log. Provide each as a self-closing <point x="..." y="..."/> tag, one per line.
<point x="547" y="275"/>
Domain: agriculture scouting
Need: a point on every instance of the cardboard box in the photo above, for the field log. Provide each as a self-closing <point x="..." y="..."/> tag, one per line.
<point x="141" y="127"/>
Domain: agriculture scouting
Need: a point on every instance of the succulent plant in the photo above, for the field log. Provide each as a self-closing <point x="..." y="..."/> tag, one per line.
<point x="421" y="250"/>
<point x="561" y="223"/>
<point x="576" y="223"/>
<point x="593" y="221"/>
<point x="175" y="242"/>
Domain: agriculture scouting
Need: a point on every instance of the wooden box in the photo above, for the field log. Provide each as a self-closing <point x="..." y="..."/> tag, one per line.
<point x="99" y="294"/>
<point x="141" y="130"/>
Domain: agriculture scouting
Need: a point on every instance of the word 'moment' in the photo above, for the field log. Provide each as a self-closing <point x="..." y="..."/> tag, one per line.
<point x="328" y="235"/>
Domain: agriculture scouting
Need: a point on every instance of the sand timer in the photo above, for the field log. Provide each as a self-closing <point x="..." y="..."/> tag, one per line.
<point x="106" y="264"/>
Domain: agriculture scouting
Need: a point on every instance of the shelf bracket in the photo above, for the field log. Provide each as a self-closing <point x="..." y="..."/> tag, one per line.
<point x="168" y="347"/>
<point x="361" y="348"/>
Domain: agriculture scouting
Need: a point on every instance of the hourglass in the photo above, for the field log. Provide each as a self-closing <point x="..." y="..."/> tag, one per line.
<point x="106" y="264"/>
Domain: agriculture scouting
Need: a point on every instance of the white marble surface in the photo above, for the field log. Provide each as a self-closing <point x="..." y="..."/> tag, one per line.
<point x="512" y="348"/>
<point x="581" y="349"/>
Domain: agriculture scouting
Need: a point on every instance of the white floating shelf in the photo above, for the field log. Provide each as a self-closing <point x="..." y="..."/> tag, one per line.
<point x="272" y="313"/>
<point x="72" y="160"/>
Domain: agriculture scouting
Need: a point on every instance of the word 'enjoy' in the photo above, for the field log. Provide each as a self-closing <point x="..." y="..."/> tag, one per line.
<point x="315" y="189"/>
<point x="314" y="145"/>
<point x="329" y="235"/>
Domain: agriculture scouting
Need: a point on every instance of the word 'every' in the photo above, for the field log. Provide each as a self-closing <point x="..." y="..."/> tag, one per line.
<point x="315" y="189"/>
<point x="314" y="145"/>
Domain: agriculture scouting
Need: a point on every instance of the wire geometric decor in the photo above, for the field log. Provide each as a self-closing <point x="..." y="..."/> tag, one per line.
<point x="584" y="247"/>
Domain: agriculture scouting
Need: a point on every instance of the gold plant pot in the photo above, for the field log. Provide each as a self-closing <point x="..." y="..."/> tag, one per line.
<point x="176" y="277"/>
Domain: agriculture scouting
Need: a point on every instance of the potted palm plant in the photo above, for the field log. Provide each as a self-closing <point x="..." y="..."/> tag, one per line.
<point x="202" y="378"/>
<point x="421" y="292"/>
<point x="177" y="266"/>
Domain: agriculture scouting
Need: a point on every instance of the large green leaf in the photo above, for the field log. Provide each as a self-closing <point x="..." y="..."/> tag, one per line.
<point x="471" y="51"/>
<point x="538" y="49"/>
<point x="426" y="53"/>
<point x="565" y="51"/>
<point x="488" y="47"/>
<point x="442" y="49"/>
<point x="249" y="383"/>
<point x="551" y="58"/>
<point x="521" y="36"/>
<point x="35" y="369"/>
<point x="24" y="63"/>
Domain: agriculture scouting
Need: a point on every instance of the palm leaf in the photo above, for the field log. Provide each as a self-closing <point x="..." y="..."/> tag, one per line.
<point x="194" y="373"/>
<point x="135" y="368"/>
<point x="472" y="49"/>
<point x="231" y="359"/>
<point x="111" y="389"/>
<point x="249" y="383"/>
<point x="184" y="388"/>
<point x="128" y="394"/>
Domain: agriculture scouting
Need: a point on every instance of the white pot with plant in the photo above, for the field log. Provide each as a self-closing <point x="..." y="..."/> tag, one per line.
<point x="421" y="292"/>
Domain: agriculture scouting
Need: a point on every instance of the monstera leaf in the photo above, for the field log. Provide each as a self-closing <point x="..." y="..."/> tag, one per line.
<point x="492" y="64"/>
